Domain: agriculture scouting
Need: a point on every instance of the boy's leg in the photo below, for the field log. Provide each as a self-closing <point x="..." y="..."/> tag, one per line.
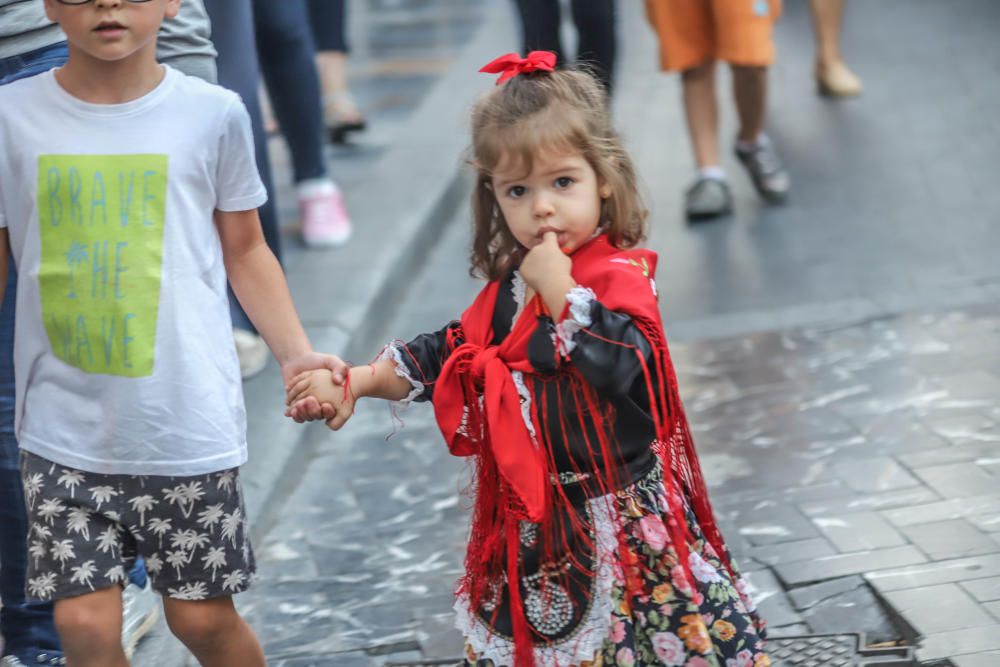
<point x="701" y="110"/>
<point x="199" y="561"/>
<point x="744" y="31"/>
<point x="686" y="32"/>
<point x="750" y="94"/>
<point x="709" y="196"/>
<point x="214" y="632"/>
<point x="90" y="628"/>
<point x="745" y="34"/>
<point x="753" y="148"/>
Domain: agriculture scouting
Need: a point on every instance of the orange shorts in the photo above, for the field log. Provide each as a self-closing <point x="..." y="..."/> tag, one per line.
<point x="692" y="32"/>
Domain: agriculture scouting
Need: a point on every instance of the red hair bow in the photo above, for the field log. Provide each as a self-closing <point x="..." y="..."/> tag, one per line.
<point x="511" y="64"/>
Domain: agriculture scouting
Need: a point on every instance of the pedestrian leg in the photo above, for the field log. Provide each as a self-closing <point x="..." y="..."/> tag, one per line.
<point x="750" y="93"/>
<point x="287" y="56"/>
<point x="90" y="628"/>
<point x="214" y="632"/>
<point x="832" y="76"/>
<point x="702" y="113"/>
<point x="540" y="21"/>
<point x="753" y="148"/>
<point x="595" y="24"/>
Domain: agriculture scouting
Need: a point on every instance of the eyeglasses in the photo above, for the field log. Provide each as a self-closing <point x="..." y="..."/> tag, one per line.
<point x="83" y="2"/>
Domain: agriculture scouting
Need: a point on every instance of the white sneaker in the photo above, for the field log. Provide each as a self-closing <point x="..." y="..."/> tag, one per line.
<point x="140" y="609"/>
<point x="252" y="351"/>
<point x="324" y="216"/>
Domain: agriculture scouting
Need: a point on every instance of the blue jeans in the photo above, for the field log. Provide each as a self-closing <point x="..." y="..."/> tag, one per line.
<point x="287" y="59"/>
<point x="328" y="19"/>
<point x="232" y="35"/>
<point x="28" y="629"/>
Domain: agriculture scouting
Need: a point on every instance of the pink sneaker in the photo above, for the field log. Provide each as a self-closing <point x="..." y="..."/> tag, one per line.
<point x="324" y="217"/>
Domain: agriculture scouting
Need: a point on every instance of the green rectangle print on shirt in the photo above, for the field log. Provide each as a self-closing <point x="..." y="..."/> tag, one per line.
<point x="101" y="224"/>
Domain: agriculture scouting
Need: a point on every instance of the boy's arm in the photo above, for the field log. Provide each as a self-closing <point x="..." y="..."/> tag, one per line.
<point x="259" y="284"/>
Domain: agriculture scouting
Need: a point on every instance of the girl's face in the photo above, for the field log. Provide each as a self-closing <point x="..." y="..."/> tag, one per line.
<point x="562" y="193"/>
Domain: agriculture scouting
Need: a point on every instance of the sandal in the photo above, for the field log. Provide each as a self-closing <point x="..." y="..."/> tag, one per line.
<point x="342" y="117"/>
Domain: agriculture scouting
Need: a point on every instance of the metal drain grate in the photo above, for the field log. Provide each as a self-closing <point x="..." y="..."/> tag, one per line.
<point x="798" y="651"/>
<point x="835" y="651"/>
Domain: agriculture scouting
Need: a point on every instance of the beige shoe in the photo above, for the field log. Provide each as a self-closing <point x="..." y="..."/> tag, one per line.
<point x="837" y="81"/>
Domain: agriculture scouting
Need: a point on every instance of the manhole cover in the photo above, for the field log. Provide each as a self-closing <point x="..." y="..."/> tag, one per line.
<point x="799" y="651"/>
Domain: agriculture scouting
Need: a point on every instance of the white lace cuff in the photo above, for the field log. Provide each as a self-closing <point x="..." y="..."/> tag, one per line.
<point x="393" y="353"/>
<point x="580" y="300"/>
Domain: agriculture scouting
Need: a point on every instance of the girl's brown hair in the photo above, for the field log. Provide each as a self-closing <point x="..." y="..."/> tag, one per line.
<point x="565" y="111"/>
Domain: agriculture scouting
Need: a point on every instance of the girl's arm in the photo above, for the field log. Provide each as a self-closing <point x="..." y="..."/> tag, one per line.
<point x="259" y="284"/>
<point x="607" y="347"/>
<point x="310" y="392"/>
<point x="378" y="380"/>
<point x="604" y="345"/>
<point x="403" y="372"/>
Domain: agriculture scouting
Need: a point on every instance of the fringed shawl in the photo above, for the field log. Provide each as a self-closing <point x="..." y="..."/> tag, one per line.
<point x="478" y="409"/>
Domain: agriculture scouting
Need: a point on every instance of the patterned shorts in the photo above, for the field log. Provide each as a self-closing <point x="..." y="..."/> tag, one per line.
<point x="86" y="530"/>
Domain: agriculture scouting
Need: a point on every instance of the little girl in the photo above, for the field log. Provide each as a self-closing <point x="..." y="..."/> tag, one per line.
<point x="592" y="538"/>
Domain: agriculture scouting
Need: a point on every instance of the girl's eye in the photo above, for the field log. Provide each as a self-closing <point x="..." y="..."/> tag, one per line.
<point x="516" y="191"/>
<point x="564" y="182"/>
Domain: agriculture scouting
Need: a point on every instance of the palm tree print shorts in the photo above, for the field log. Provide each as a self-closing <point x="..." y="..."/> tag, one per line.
<point x="86" y="530"/>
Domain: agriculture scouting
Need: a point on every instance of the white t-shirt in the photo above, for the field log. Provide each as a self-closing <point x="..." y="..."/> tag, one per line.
<point x="123" y="351"/>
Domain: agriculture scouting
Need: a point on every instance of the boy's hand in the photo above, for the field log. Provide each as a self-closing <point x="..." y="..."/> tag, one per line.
<point x="546" y="269"/>
<point x="314" y="395"/>
<point x="315" y="361"/>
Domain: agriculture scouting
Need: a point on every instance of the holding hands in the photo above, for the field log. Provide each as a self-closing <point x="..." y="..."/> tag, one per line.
<point x="323" y="387"/>
<point x="330" y="395"/>
<point x="316" y="394"/>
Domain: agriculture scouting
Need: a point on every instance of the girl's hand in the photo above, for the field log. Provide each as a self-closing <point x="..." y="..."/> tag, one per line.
<point x="545" y="262"/>
<point x="546" y="269"/>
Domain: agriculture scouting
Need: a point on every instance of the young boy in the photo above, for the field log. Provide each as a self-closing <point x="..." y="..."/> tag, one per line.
<point x="694" y="34"/>
<point x="130" y="412"/>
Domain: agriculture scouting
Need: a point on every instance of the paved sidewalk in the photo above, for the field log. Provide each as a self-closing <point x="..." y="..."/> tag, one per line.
<point x="857" y="471"/>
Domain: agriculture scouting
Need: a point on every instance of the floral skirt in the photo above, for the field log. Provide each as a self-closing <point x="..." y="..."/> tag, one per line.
<point x="711" y="622"/>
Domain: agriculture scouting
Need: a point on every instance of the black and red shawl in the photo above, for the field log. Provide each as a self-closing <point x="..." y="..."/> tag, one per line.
<point x="478" y="409"/>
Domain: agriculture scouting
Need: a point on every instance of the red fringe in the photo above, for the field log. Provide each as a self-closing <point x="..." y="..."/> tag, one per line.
<point x="495" y="529"/>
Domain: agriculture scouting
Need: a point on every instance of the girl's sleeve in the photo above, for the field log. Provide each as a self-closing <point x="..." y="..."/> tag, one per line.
<point x="601" y="343"/>
<point x="419" y="361"/>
